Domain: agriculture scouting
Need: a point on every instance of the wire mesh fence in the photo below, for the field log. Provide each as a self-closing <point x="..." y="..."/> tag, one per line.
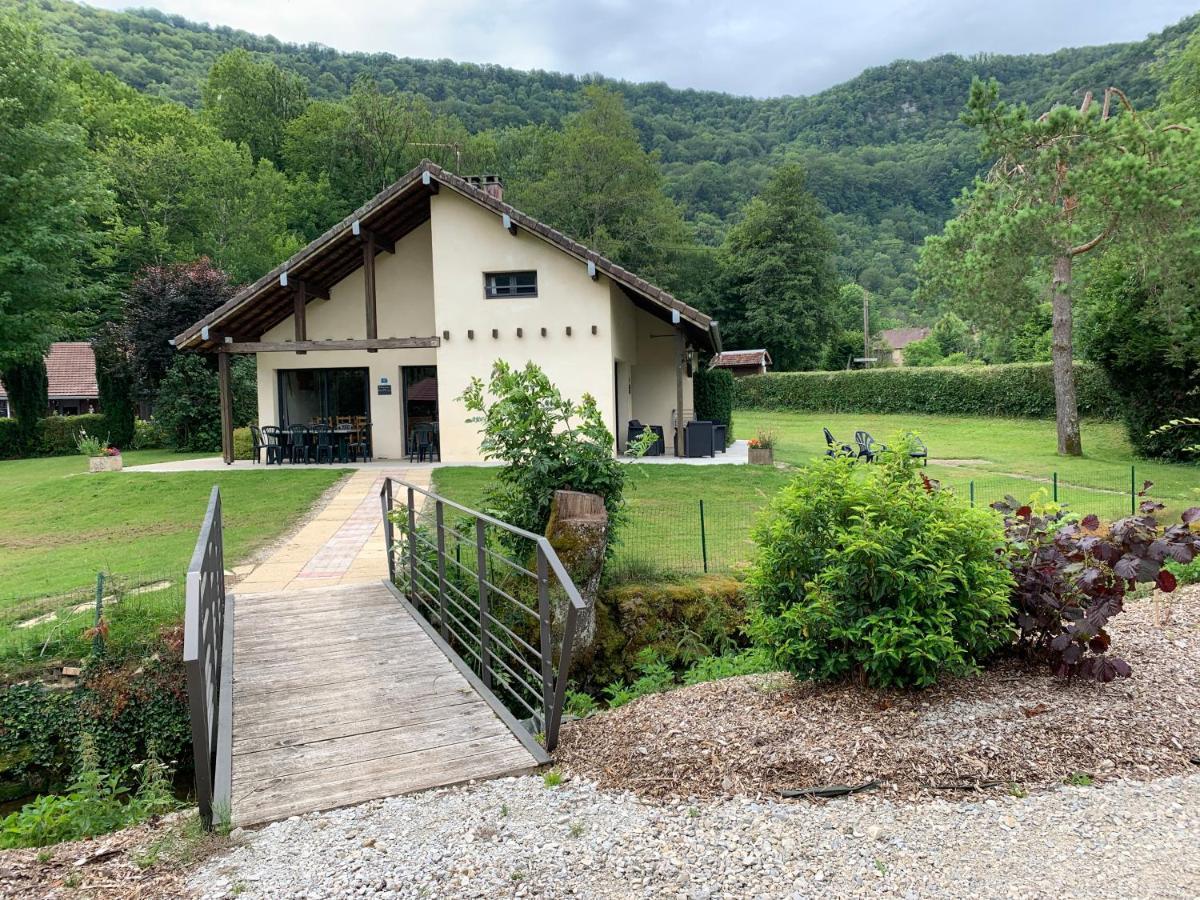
<point x="125" y="611"/>
<point x="707" y="535"/>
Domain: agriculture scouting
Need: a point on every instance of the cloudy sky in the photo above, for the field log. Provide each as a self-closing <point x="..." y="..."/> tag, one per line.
<point x="755" y="47"/>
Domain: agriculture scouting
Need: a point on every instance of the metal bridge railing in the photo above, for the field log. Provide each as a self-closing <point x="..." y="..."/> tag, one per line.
<point x="498" y="595"/>
<point x="208" y="661"/>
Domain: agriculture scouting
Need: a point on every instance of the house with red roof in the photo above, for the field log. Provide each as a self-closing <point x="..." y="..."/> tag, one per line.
<point x="742" y="362"/>
<point x="71" y="371"/>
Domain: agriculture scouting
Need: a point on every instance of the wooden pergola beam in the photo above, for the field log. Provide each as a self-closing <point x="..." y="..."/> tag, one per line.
<point x="226" y="408"/>
<point x="408" y="343"/>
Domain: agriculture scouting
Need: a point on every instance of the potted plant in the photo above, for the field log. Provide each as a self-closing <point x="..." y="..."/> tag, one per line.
<point x="762" y="449"/>
<point x="101" y="456"/>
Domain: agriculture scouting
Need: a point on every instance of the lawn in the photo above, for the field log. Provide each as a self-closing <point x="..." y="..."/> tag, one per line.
<point x="663" y="532"/>
<point x="999" y="456"/>
<point x="59" y="526"/>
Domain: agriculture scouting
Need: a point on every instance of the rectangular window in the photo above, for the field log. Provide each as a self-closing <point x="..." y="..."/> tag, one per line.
<point x="509" y="284"/>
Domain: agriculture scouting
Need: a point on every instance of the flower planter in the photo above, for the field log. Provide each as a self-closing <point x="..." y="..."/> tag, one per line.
<point x="104" y="463"/>
<point x="762" y="456"/>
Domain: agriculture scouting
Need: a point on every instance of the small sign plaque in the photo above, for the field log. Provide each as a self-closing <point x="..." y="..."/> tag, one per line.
<point x="385" y="390"/>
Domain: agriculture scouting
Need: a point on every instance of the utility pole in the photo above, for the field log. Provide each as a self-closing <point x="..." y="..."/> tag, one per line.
<point x="866" y="325"/>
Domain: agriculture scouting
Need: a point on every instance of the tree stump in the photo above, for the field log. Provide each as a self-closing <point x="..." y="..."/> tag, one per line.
<point x="578" y="532"/>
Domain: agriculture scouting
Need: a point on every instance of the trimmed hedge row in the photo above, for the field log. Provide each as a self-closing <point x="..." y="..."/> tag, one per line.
<point x="1017" y="389"/>
<point x="55" y="435"/>
<point x="713" y="398"/>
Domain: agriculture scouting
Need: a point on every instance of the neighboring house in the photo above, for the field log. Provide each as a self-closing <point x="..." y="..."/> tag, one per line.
<point x="391" y="312"/>
<point x="742" y="362"/>
<point x="71" y="373"/>
<point x="892" y="342"/>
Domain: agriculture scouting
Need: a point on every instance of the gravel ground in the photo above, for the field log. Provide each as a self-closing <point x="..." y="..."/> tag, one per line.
<point x="518" y="838"/>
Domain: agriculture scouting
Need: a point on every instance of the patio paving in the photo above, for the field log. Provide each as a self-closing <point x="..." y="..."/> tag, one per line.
<point x="342" y="544"/>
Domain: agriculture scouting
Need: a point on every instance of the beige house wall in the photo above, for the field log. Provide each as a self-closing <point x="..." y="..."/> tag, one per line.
<point x="434" y="285"/>
<point x="404" y="303"/>
<point x="469" y="241"/>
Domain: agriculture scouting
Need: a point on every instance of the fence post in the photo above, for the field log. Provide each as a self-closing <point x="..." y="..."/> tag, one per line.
<point x="441" y="554"/>
<point x="543" y="586"/>
<point x="703" y="538"/>
<point x="485" y="660"/>
<point x="98" y="635"/>
<point x="412" y="546"/>
<point x="971" y="490"/>
<point x="1055" y="487"/>
<point x="388" y="535"/>
<point x="1133" y="490"/>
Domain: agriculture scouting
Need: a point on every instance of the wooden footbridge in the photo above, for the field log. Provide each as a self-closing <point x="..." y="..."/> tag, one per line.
<point x="305" y="700"/>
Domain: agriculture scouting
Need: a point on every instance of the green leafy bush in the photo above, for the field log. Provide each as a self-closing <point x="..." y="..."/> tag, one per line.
<point x="10" y="439"/>
<point x="188" y="410"/>
<point x="243" y="443"/>
<point x="147" y="435"/>
<point x="873" y="571"/>
<point x="1015" y="389"/>
<point x="60" y="434"/>
<point x="713" y="398"/>
<point x="95" y="803"/>
<point x="547" y="443"/>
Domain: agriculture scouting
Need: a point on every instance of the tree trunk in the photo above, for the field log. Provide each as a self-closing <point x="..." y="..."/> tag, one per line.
<point x="578" y="532"/>
<point x="1065" y="405"/>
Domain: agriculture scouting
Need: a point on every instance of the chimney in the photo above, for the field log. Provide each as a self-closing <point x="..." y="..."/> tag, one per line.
<point x="491" y="185"/>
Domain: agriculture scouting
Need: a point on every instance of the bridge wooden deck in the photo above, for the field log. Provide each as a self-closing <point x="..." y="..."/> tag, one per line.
<point x="340" y="696"/>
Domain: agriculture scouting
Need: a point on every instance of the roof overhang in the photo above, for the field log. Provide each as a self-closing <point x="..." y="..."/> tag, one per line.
<point x="391" y="215"/>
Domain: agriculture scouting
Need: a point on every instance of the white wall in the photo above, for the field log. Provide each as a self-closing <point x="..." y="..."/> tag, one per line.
<point x="653" y="377"/>
<point x="468" y="241"/>
<point x="404" y="308"/>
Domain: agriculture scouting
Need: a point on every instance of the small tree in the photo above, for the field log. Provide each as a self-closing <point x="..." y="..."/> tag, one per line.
<point x="28" y="397"/>
<point x="117" y="384"/>
<point x="547" y="443"/>
<point x="1063" y="184"/>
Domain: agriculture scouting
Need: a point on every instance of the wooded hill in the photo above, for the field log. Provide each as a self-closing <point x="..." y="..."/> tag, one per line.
<point x="884" y="151"/>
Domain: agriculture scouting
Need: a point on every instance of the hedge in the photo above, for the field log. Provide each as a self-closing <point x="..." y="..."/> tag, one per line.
<point x="55" y="435"/>
<point x="713" y="398"/>
<point x="1017" y="389"/>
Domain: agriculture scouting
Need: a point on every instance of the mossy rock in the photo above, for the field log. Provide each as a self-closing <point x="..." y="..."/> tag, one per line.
<point x="679" y="622"/>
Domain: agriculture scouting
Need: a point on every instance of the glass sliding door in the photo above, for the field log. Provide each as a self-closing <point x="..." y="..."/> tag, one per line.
<point x="309" y="394"/>
<point x="419" y="384"/>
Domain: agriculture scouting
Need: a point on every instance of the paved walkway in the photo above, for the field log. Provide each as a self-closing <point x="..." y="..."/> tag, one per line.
<point x="342" y="544"/>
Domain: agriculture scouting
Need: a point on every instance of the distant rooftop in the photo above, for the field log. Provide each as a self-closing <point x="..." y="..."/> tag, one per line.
<point x="71" y="370"/>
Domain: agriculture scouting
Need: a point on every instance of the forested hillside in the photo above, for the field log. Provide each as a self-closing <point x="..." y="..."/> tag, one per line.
<point x="884" y="152"/>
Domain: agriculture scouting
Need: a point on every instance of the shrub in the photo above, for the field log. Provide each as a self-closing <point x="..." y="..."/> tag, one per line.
<point x="133" y="709"/>
<point x="117" y="384"/>
<point x="874" y="571"/>
<point x="243" y="443"/>
<point x="1072" y="578"/>
<point x="95" y="803"/>
<point x="1016" y="389"/>
<point x="60" y="434"/>
<point x="713" y="398"/>
<point x="547" y="443"/>
<point x="10" y="439"/>
<point x="147" y="435"/>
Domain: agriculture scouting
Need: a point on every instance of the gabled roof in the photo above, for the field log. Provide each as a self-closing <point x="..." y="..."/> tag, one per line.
<point x="899" y="338"/>
<point x="70" y="370"/>
<point x="392" y="214"/>
<point x="730" y="358"/>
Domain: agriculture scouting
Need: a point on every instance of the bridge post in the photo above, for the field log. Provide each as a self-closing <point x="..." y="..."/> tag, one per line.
<point x="441" y="555"/>
<point x="412" y="547"/>
<point x="547" y="650"/>
<point x="388" y="535"/>
<point x="485" y="653"/>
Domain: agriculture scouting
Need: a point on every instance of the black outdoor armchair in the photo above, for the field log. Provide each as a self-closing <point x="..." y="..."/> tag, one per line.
<point x="634" y="431"/>
<point x="834" y="448"/>
<point x="698" y="439"/>
<point x="868" y="447"/>
<point x="257" y="443"/>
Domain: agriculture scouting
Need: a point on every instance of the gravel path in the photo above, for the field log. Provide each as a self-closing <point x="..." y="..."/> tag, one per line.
<point x="517" y="837"/>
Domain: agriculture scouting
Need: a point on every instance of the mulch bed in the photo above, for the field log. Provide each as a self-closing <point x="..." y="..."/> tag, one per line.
<point x="1011" y="725"/>
<point x="107" y="866"/>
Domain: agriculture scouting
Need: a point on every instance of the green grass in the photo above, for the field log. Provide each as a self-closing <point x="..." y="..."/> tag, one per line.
<point x="663" y="531"/>
<point x="1000" y="455"/>
<point x="59" y="526"/>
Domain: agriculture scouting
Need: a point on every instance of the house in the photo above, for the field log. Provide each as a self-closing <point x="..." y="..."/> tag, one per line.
<point x="71" y="374"/>
<point x="391" y="312"/>
<point x="894" y="340"/>
<point x="742" y="362"/>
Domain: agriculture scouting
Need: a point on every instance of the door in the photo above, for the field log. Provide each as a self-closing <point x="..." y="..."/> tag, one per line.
<point x="418" y="398"/>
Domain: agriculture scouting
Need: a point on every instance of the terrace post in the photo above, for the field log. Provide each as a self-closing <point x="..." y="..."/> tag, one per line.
<point x="226" y="408"/>
<point x="680" y="355"/>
